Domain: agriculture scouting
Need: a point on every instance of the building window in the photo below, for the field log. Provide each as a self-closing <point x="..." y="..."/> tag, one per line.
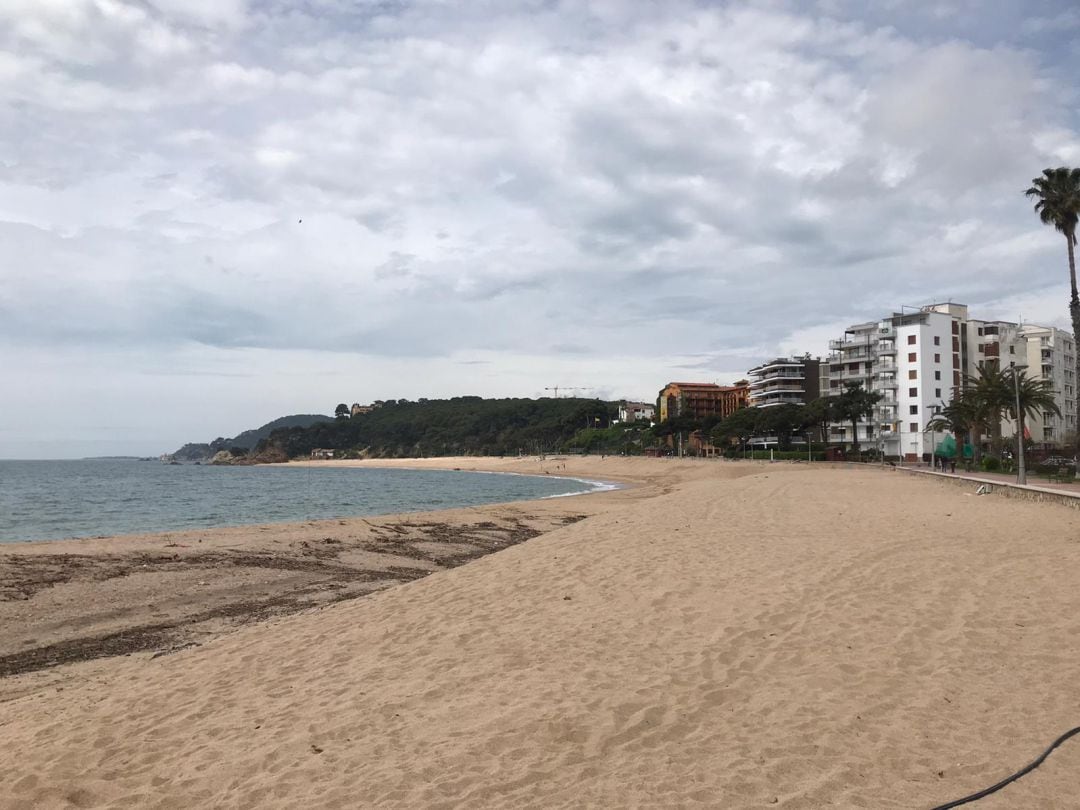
<point x="913" y="392"/>
<point x="912" y="357"/>
<point x="911" y="340"/>
<point x="937" y="393"/>
<point x="937" y="375"/>
<point x="1012" y="350"/>
<point x="980" y="333"/>
<point x="913" y="375"/>
<point x="937" y="358"/>
<point x="913" y="410"/>
<point x="937" y="340"/>
<point x="913" y="427"/>
<point x="980" y="348"/>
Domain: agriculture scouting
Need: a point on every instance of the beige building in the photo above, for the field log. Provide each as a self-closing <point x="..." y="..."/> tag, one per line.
<point x="702" y="400"/>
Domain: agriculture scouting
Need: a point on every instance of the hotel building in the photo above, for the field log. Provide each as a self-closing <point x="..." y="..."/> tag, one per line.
<point x="701" y="400"/>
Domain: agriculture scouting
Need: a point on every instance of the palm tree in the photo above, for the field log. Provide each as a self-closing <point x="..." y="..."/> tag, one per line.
<point x="1057" y="195"/>
<point x="962" y="417"/>
<point x="989" y="393"/>
<point x="854" y="405"/>
<point x="1035" y="395"/>
<point x="990" y="396"/>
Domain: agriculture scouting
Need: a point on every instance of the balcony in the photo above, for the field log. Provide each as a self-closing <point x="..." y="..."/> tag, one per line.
<point x="768" y="392"/>
<point x="782" y="375"/>
<point x="885" y="347"/>
<point x="776" y="399"/>
<point x="851" y="343"/>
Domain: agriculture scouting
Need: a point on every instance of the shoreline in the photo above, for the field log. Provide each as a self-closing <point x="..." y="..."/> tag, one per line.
<point x="81" y="599"/>
<point x="737" y="635"/>
<point x="595" y="486"/>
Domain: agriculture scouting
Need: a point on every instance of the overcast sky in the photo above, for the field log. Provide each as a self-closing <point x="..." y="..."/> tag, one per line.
<point x="217" y="212"/>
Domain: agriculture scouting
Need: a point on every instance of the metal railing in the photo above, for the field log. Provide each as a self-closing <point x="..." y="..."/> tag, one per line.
<point x="848" y="343"/>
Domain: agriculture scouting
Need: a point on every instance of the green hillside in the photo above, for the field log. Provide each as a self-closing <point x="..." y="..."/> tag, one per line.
<point x="250" y="438"/>
<point x="445" y="427"/>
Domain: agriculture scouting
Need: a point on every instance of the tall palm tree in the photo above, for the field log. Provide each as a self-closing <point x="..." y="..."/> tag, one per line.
<point x="1036" y="396"/>
<point x="1057" y="195"/>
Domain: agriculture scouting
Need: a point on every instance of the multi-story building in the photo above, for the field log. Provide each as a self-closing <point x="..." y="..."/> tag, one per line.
<point x="784" y="381"/>
<point x="635" y="411"/>
<point x="913" y="360"/>
<point x="1049" y="354"/>
<point x="981" y="341"/>
<point x="702" y="400"/>
<point x="917" y="360"/>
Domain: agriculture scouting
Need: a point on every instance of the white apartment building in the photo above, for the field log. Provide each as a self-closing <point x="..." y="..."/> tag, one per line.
<point x="1050" y="354"/>
<point x="917" y="359"/>
<point x="911" y="359"/>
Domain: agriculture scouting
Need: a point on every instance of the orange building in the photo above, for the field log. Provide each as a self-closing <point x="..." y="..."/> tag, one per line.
<point x="701" y="400"/>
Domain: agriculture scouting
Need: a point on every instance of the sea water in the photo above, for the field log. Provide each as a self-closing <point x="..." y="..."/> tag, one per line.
<point x="47" y="500"/>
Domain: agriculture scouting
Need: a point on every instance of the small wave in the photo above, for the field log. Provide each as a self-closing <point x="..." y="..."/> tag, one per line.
<point x="594" y="486"/>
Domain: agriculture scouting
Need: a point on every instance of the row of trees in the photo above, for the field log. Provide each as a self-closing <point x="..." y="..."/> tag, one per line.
<point x="851" y="406"/>
<point x="978" y="408"/>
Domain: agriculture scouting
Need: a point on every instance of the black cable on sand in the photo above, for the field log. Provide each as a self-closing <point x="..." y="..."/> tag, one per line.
<point x="982" y="794"/>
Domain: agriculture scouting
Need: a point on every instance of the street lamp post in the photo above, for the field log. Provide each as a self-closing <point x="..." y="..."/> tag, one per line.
<point x="1021" y="471"/>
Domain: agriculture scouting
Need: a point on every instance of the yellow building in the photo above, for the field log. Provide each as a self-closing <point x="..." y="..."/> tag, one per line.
<point x="701" y="400"/>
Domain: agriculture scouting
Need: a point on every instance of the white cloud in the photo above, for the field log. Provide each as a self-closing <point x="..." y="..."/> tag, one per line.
<point x="366" y="188"/>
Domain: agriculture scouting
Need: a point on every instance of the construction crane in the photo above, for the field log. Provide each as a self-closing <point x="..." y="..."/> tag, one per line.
<point x="557" y="388"/>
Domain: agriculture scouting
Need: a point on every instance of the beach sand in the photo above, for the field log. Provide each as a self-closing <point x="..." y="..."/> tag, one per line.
<point x="718" y="635"/>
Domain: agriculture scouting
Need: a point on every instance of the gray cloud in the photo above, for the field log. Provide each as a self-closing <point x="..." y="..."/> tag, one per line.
<point x="544" y="183"/>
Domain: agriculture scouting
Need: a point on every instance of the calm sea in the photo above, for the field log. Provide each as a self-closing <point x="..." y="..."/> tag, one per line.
<point x="47" y="500"/>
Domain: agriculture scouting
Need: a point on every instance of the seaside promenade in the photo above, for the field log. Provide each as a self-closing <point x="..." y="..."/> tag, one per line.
<point x="1034" y="481"/>
<point x="718" y="634"/>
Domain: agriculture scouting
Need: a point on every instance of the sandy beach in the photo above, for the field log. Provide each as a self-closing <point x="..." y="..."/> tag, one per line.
<point x="717" y="634"/>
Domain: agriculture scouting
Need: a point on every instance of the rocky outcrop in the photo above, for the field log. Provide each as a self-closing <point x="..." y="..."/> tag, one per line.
<point x="269" y="455"/>
<point x="190" y="453"/>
